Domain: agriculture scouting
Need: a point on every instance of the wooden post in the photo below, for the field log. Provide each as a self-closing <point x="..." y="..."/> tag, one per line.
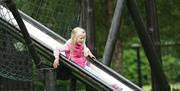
<point x="91" y="33"/>
<point x="50" y="80"/>
<point x="148" y="46"/>
<point x="112" y="37"/>
<point x="73" y="84"/>
<point x="153" y="29"/>
<point x="83" y="17"/>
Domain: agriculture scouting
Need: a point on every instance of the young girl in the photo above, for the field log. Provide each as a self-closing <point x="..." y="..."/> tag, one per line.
<point x="76" y="50"/>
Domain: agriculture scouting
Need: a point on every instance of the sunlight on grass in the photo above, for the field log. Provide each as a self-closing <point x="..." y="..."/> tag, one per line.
<point x="147" y="88"/>
<point x="174" y="87"/>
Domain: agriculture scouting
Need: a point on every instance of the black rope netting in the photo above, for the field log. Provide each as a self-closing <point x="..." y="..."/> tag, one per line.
<point x="16" y="61"/>
<point x="58" y="15"/>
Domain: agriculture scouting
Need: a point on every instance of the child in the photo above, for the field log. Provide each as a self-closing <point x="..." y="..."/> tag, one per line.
<point x="76" y="50"/>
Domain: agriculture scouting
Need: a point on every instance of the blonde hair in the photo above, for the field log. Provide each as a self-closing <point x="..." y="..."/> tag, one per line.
<point x="75" y="34"/>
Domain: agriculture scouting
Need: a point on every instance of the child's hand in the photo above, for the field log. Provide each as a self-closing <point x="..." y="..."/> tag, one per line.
<point x="92" y="56"/>
<point x="56" y="63"/>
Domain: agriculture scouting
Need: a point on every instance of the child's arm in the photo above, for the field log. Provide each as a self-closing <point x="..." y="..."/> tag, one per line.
<point x="56" y="63"/>
<point x="89" y="53"/>
<point x="60" y="49"/>
<point x="56" y="53"/>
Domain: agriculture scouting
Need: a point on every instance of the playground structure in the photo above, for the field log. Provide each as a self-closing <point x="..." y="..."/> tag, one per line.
<point x="47" y="50"/>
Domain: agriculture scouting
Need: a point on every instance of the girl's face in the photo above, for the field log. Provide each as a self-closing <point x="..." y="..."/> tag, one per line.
<point x="80" y="39"/>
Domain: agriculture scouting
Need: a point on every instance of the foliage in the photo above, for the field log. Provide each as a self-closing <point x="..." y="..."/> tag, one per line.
<point x="130" y="66"/>
<point x="169" y="19"/>
<point x="171" y="67"/>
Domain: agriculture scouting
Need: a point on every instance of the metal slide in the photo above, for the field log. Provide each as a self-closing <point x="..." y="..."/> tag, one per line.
<point x="46" y="40"/>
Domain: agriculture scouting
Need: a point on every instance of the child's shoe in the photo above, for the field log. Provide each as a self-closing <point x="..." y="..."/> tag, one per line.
<point x="115" y="86"/>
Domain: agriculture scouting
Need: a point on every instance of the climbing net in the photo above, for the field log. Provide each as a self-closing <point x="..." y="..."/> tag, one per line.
<point x="58" y="15"/>
<point x="16" y="62"/>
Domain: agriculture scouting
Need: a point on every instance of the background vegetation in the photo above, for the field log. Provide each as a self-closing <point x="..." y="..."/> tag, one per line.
<point x="169" y="24"/>
<point x="169" y="20"/>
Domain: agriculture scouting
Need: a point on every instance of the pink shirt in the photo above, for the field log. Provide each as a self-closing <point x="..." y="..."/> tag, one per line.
<point x="75" y="53"/>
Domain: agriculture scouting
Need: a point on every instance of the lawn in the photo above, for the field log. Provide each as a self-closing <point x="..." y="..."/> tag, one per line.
<point x="174" y="87"/>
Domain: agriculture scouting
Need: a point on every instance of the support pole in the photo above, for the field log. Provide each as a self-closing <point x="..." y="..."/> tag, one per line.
<point x="83" y="17"/>
<point x="148" y="46"/>
<point x="50" y="80"/>
<point x="139" y="67"/>
<point x="91" y="33"/>
<point x="137" y="48"/>
<point x="112" y="37"/>
<point x="73" y="83"/>
<point x="153" y="29"/>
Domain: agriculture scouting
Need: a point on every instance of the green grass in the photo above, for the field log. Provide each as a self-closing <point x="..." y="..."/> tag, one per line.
<point x="174" y="87"/>
<point x="147" y="88"/>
